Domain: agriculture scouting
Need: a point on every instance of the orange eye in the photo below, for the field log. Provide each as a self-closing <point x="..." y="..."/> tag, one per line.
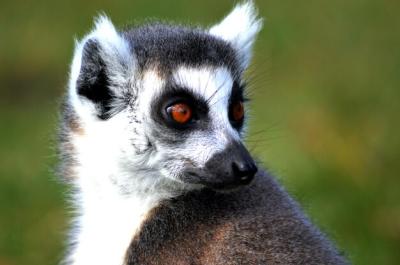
<point x="180" y="112"/>
<point x="238" y="111"/>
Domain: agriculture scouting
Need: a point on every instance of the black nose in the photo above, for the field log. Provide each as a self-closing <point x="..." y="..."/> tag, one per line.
<point x="230" y="168"/>
<point x="244" y="171"/>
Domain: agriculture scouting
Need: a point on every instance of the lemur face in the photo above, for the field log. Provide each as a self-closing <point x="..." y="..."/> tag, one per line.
<point x="164" y="100"/>
<point x="194" y="119"/>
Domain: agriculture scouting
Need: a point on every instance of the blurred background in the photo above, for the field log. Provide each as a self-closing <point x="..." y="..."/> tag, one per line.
<point x="325" y="84"/>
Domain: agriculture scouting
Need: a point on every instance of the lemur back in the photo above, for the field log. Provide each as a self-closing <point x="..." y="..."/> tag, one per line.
<point x="258" y="224"/>
<point x="151" y="141"/>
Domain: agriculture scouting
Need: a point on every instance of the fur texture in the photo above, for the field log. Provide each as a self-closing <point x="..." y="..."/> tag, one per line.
<point x="258" y="224"/>
<point x="145" y="185"/>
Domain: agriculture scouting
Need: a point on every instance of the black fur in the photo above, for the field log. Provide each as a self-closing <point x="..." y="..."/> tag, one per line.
<point x="93" y="82"/>
<point x="169" y="46"/>
<point x="258" y="224"/>
<point x="169" y="133"/>
<point x="236" y="96"/>
<point x="225" y="170"/>
<point x="172" y="94"/>
<point x="164" y="47"/>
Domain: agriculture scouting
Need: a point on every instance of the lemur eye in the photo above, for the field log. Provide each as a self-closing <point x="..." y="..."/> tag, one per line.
<point x="180" y="113"/>
<point x="237" y="111"/>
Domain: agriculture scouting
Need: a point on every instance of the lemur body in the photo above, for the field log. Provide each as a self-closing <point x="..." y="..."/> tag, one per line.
<point x="151" y="139"/>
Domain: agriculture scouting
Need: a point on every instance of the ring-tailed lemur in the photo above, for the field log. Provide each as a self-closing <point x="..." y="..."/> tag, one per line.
<point x="151" y="139"/>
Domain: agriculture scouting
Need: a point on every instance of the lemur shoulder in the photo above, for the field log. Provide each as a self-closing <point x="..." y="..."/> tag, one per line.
<point x="151" y="141"/>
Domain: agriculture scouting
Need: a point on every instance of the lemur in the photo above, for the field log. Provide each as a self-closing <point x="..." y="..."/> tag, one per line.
<point x="151" y="141"/>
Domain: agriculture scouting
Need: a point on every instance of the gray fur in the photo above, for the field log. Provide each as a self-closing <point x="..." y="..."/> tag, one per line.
<point x="259" y="224"/>
<point x="168" y="46"/>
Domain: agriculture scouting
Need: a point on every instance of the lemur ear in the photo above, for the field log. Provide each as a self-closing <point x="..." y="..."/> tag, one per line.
<point x="103" y="64"/>
<point x="240" y="29"/>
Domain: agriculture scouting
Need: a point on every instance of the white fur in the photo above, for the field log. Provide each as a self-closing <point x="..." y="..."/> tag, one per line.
<point x="113" y="200"/>
<point x="211" y="84"/>
<point x="215" y="86"/>
<point x="107" y="220"/>
<point x="240" y="28"/>
<point x="118" y="180"/>
<point x="109" y="212"/>
<point x="115" y="52"/>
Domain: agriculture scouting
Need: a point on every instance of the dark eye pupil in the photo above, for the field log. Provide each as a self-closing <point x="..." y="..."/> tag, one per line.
<point x="237" y="111"/>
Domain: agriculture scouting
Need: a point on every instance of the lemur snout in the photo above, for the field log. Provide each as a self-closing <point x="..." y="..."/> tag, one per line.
<point x="230" y="168"/>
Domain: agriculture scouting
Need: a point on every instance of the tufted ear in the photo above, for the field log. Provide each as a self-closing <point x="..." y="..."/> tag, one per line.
<point x="102" y="67"/>
<point x="240" y="29"/>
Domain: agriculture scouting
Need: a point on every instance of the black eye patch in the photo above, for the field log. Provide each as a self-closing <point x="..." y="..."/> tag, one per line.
<point x="237" y="93"/>
<point x="236" y="100"/>
<point x="175" y="95"/>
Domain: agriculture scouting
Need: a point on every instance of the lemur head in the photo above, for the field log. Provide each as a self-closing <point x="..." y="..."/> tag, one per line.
<point x="161" y="104"/>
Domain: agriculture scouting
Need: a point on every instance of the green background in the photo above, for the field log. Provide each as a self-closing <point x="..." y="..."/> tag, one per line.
<point x="325" y="83"/>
